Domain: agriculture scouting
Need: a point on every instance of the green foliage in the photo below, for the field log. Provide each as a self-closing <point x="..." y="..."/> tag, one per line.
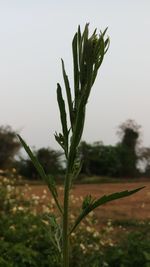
<point x="127" y="148"/>
<point x="144" y="156"/>
<point x="9" y="146"/>
<point x="133" y="250"/>
<point x="25" y="241"/>
<point x="117" y="161"/>
<point x="90" y="204"/>
<point x="99" y="159"/>
<point x="88" y="54"/>
<point x="29" y="239"/>
<point x="49" y="159"/>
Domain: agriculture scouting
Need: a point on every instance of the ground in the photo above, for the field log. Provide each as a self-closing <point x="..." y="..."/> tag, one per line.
<point x="136" y="206"/>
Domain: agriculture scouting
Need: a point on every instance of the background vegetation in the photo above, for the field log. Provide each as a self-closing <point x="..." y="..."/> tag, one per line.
<point x="28" y="239"/>
<point x="120" y="160"/>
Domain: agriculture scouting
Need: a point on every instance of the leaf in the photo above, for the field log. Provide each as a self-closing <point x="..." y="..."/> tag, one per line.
<point x="86" y="202"/>
<point x="68" y="92"/>
<point x="107" y="44"/>
<point x="114" y="196"/>
<point x="63" y="116"/>
<point x="94" y="204"/>
<point x="60" y="139"/>
<point x="79" y="123"/>
<point x="147" y="256"/>
<point x="51" y="184"/>
<point x="40" y="170"/>
<point x="85" y="33"/>
<point x="83" y="58"/>
<point x="77" y="169"/>
<point x="105" y="31"/>
<point x="33" y="158"/>
<point x="75" y="53"/>
<point x="54" y="231"/>
<point x="79" y="43"/>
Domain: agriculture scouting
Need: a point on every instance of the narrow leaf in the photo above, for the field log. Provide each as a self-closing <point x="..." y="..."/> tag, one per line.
<point x="60" y="139"/>
<point x="75" y="63"/>
<point x="87" y="201"/>
<point x="101" y="201"/>
<point x="41" y="172"/>
<point x="68" y="92"/>
<point x="34" y="159"/>
<point x="114" y="196"/>
<point x="51" y="184"/>
<point x="63" y="116"/>
<point x="79" y="44"/>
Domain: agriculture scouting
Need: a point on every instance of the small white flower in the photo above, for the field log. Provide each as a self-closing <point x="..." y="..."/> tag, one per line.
<point x="9" y="188"/>
<point x="96" y="234"/>
<point x="12" y="227"/>
<point x="72" y="234"/>
<point x="14" y="209"/>
<point x="82" y="246"/>
<point x="20" y="208"/>
<point x="89" y="229"/>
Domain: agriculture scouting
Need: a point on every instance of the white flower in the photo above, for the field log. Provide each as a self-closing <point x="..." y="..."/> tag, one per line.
<point x="82" y="246"/>
<point x="96" y="234"/>
<point x="46" y="209"/>
<point x="9" y="188"/>
<point x="20" y="208"/>
<point x="12" y="227"/>
<point x="14" y="170"/>
<point x="45" y="222"/>
<point x="14" y="209"/>
<point x="72" y="234"/>
<point x="89" y="229"/>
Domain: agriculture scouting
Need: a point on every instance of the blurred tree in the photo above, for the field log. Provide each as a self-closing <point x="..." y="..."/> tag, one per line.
<point x="127" y="148"/>
<point x="9" y="146"/>
<point x="99" y="159"/>
<point x="144" y="156"/>
<point x="119" y="160"/>
<point x="85" y="156"/>
<point x="49" y="159"/>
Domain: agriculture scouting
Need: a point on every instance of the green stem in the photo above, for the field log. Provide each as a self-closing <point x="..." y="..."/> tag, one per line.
<point x="65" y="223"/>
<point x="58" y="204"/>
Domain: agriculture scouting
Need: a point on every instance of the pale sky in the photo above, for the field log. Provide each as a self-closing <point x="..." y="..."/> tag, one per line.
<point x="36" y="34"/>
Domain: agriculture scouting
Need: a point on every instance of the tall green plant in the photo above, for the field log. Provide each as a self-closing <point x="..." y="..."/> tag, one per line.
<point x="88" y="54"/>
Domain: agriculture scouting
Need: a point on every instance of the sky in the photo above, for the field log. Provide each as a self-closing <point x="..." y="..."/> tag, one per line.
<point x="36" y="34"/>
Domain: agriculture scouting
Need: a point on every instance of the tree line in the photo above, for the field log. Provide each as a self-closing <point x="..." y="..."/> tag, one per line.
<point x="120" y="160"/>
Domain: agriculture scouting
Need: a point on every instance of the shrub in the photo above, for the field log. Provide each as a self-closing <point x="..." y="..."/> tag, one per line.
<point x="28" y="239"/>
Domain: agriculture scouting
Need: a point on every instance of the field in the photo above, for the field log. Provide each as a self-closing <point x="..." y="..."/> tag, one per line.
<point x="136" y="206"/>
<point x="28" y="234"/>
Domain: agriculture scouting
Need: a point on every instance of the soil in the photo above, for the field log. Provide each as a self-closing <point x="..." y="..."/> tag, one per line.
<point x="136" y="206"/>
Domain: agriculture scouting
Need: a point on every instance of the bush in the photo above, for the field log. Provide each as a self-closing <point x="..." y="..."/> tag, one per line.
<point x="28" y="239"/>
<point x="9" y="146"/>
<point x="134" y="250"/>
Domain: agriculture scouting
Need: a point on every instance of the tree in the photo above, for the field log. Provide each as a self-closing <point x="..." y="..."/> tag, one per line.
<point x="144" y="156"/>
<point x="99" y="159"/>
<point x="120" y="160"/>
<point x="127" y="148"/>
<point x="9" y="146"/>
<point x="85" y="157"/>
<point x="49" y="159"/>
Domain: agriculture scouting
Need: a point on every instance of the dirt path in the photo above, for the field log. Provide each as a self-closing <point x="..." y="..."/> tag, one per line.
<point x="136" y="206"/>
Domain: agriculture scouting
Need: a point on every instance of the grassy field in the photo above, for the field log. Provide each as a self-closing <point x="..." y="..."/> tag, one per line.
<point x="133" y="207"/>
